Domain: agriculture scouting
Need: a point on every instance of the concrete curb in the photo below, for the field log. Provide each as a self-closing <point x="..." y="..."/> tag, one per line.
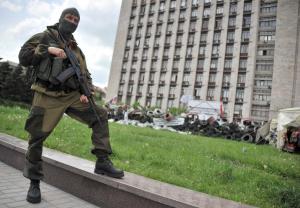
<point x="75" y="175"/>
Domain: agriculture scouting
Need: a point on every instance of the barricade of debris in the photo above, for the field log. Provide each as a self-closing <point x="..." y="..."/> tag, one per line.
<point x="209" y="123"/>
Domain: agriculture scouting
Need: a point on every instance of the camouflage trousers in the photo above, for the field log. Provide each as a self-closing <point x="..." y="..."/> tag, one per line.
<point x="46" y="112"/>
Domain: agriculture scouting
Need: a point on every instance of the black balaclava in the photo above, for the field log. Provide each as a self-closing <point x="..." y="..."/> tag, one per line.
<point x="65" y="27"/>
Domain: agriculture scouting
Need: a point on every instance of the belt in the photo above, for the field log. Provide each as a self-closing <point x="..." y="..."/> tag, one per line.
<point x="51" y="87"/>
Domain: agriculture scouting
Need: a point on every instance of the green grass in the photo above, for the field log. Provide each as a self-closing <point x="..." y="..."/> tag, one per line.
<point x="258" y="175"/>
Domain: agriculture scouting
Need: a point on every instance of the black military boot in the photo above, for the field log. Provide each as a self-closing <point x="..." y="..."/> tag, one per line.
<point x="34" y="193"/>
<point x="105" y="167"/>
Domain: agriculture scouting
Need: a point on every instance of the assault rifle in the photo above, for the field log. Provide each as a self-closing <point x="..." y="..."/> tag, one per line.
<point x="75" y="70"/>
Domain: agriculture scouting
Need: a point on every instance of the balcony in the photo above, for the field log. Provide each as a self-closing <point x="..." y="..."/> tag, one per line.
<point x="187" y="70"/>
<point x="240" y="85"/>
<point x="185" y="83"/>
<point x="151" y="82"/>
<point x="246" y="26"/>
<point x="149" y="94"/>
<point x="209" y="97"/>
<point x="161" y="82"/>
<point x="177" y="57"/>
<point x="181" y="19"/>
<point x="165" y="57"/>
<point x="120" y="93"/>
<point x="211" y="84"/>
<point x="171" y="96"/>
<point x="230" y="41"/>
<point x="224" y="99"/>
<point x="131" y="82"/>
<point x="192" y="30"/>
<point x="204" y="29"/>
<point x="139" y="94"/>
<point x="175" y="69"/>
<point x="193" y="18"/>
<point x="122" y="82"/>
<point x="178" y="44"/>
<point x="154" y="58"/>
<point x="228" y="55"/>
<point x="179" y="31"/>
<point x="243" y="55"/>
<point x="226" y="84"/>
<point x="133" y="70"/>
<point x="231" y="27"/>
<point x="129" y="93"/>
<point x="157" y="34"/>
<point x="243" y="70"/>
<point x="141" y="82"/>
<point x="123" y="70"/>
<point x="173" y="83"/>
<point x="199" y="70"/>
<point x="189" y="56"/>
<point x="160" y="95"/>
<point x="169" y="33"/>
<point x="213" y="70"/>
<point x="198" y="84"/>
<point x="216" y="42"/>
<point x="164" y="69"/>
<point x="239" y="100"/>
<point x="142" y="69"/>
<point x="261" y="102"/>
<point x="227" y="70"/>
<point x="167" y="45"/>
<point x="156" y="45"/>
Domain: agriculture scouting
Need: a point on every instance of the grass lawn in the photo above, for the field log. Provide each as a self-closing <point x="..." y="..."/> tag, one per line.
<point x="257" y="175"/>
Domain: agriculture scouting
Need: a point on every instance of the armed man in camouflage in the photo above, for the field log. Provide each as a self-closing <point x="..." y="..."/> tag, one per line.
<point x="44" y="51"/>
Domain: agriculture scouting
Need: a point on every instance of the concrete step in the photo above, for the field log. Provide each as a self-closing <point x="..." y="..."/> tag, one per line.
<point x="76" y="176"/>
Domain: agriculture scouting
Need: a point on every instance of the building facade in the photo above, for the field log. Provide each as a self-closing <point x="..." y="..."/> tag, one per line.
<point x="241" y="52"/>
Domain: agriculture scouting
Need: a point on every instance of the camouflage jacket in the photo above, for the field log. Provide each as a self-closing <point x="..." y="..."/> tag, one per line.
<point x="35" y="50"/>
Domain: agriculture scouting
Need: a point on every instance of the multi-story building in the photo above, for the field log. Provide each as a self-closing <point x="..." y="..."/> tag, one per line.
<point x="241" y="52"/>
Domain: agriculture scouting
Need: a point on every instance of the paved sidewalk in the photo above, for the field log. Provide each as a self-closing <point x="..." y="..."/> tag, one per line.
<point x="13" y="190"/>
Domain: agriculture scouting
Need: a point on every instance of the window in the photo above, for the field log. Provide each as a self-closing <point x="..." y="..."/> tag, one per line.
<point x="226" y="78"/>
<point x="166" y="52"/>
<point x="162" y="6"/>
<point x="191" y="39"/>
<point x="195" y="2"/>
<point x="244" y="48"/>
<point x="265" y="52"/>
<point x="205" y="24"/>
<point x="267" y="22"/>
<point x="161" y="90"/>
<point x="148" y="31"/>
<point x="264" y="65"/>
<point x="145" y="52"/>
<point x="231" y="21"/>
<point x="268" y="8"/>
<point x="241" y="78"/>
<point x="194" y="12"/>
<point x="158" y="29"/>
<point x="189" y="51"/>
<point x="215" y="50"/>
<point x="187" y="64"/>
<point x="245" y="35"/>
<point x="197" y="92"/>
<point x="179" y="39"/>
<point x="126" y="55"/>
<point x="200" y="64"/>
<point x="243" y="63"/>
<point x="219" y="10"/>
<point x="267" y="36"/>
<point x="247" y="6"/>
<point x="169" y="27"/>
<point x="183" y="3"/>
<point x="133" y="11"/>
<point x="263" y="83"/>
<point x="175" y="64"/>
<point x="203" y="37"/>
<point x="192" y="26"/>
<point x="217" y="36"/>
<point x="228" y="63"/>
<point x="239" y="94"/>
<point x="199" y="77"/>
<point x="171" y="15"/>
<point x="170" y="103"/>
<point x="233" y="8"/>
<point x="246" y="21"/>
<point x="182" y="14"/>
<point x="212" y="78"/>
<point x="142" y="77"/>
<point x="180" y="26"/>
<point x="160" y="17"/>
<point x="210" y="92"/>
<point x="229" y="49"/>
<point x="230" y="36"/>
<point x="151" y="9"/>
<point x="177" y="51"/>
<point x="218" y="24"/>
<point x="214" y="63"/>
<point x="164" y="64"/>
<point x="158" y="103"/>
<point x="225" y="93"/>
<point x="173" y="4"/>
<point x="202" y="50"/>
<point x="168" y="40"/>
<point x="206" y="12"/>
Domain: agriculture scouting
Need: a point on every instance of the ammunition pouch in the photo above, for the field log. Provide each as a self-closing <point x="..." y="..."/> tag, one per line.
<point x="57" y="74"/>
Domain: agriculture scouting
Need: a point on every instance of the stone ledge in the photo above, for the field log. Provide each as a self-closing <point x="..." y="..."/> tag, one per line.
<point x="75" y="175"/>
